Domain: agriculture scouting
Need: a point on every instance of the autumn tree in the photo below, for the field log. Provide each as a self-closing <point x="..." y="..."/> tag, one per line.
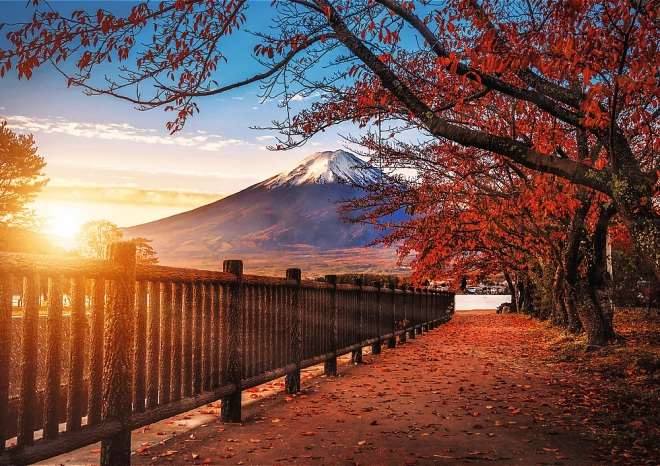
<point x="144" y="252"/>
<point x="95" y="236"/>
<point x="21" y="178"/>
<point x="545" y="235"/>
<point x="568" y="89"/>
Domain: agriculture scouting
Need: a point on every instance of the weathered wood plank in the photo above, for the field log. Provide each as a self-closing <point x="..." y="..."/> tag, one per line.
<point x="140" y="345"/>
<point x="161" y="273"/>
<point x="74" y="406"/>
<point x="96" y="352"/>
<point x="5" y="353"/>
<point x="29" y="355"/>
<point x="165" y="368"/>
<point x="153" y="344"/>
<point x="51" y="266"/>
<point x="53" y="357"/>
<point x="177" y="346"/>
<point x="117" y="364"/>
<point x="231" y="404"/>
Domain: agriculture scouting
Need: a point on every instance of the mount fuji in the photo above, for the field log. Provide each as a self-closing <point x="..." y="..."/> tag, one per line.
<point x="288" y="220"/>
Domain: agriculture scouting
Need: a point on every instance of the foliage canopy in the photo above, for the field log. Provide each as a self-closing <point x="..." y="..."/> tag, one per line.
<point x="21" y="177"/>
<point x="532" y="124"/>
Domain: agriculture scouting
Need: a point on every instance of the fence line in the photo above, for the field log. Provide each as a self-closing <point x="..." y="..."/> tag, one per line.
<point x="142" y="343"/>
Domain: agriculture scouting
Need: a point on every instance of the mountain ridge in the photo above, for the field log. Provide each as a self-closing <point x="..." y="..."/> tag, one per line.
<point x="292" y="214"/>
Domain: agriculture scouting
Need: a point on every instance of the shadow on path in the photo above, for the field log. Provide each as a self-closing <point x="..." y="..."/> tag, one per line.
<point x="472" y="390"/>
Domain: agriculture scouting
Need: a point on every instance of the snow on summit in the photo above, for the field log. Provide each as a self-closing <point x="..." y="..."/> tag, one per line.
<point x="327" y="168"/>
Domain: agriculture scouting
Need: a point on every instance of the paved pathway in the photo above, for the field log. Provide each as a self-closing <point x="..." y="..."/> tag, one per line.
<point x="473" y="390"/>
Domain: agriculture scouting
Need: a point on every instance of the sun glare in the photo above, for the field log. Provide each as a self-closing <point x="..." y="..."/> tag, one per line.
<point x="64" y="223"/>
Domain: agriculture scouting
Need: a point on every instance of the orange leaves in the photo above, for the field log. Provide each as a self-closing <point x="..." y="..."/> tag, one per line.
<point x="261" y="49"/>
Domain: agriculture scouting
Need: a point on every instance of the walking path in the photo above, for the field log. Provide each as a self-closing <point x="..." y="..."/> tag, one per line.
<point x="473" y="390"/>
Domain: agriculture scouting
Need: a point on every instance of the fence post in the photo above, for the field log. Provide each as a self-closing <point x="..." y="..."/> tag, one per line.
<point x="356" y="355"/>
<point x="402" y="337"/>
<point x="391" y="343"/>
<point x="375" y="348"/>
<point x="292" y="380"/>
<point x="425" y="307"/>
<point x="140" y="345"/>
<point x="97" y="323"/>
<point x="419" y="319"/>
<point x="29" y="361"/>
<point x="53" y="358"/>
<point x="413" y="307"/>
<point x="5" y="353"/>
<point x="231" y="405"/>
<point x="330" y="366"/>
<point x="433" y="317"/>
<point x="451" y="302"/>
<point x="117" y="364"/>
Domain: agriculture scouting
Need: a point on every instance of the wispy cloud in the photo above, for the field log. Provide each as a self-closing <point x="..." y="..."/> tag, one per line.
<point x="301" y="97"/>
<point x="265" y="138"/>
<point x="216" y="146"/>
<point x="113" y="131"/>
<point x="126" y="194"/>
<point x="179" y="172"/>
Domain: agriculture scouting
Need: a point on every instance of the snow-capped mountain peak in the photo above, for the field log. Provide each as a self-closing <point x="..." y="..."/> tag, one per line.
<point x="327" y="168"/>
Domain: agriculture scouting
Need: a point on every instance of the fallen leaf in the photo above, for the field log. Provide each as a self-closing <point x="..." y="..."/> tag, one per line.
<point x="362" y="442"/>
<point x="98" y="450"/>
<point x="255" y="440"/>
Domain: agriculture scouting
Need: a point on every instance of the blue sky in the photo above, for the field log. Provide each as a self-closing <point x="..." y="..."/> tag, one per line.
<point x="108" y="160"/>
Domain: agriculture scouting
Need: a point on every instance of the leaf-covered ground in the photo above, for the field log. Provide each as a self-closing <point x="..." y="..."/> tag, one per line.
<point x="482" y="388"/>
<point x="625" y="412"/>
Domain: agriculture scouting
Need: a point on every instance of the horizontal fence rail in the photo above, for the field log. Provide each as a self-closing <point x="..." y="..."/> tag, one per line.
<point x="102" y="347"/>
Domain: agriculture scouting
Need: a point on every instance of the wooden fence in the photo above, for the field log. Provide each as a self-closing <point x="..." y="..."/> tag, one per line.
<point x="155" y="341"/>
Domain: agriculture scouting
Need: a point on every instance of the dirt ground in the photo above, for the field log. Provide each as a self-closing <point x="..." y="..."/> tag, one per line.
<point x="473" y="390"/>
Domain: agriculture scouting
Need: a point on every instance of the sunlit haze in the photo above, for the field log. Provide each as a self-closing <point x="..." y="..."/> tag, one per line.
<point x="63" y="222"/>
<point x="107" y="160"/>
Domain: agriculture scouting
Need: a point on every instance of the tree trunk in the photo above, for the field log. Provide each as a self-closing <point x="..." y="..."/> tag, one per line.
<point x="589" y="312"/>
<point x="632" y="194"/>
<point x="598" y="278"/>
<point x="560" y="314"/>
<point x="574" y="323"/>
<point x="513" y="289"/>
<point x="579" y="297"/>
<point x="526" y="306"/>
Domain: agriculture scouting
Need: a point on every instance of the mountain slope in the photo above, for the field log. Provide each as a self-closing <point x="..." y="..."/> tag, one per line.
<point x="294" y="212"/>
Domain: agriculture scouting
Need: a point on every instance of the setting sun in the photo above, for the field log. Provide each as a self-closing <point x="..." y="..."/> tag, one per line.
<point x="64" y="223"/>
